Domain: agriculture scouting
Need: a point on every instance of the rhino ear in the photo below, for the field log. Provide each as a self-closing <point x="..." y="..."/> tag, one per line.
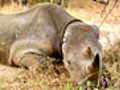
<point x="88" y="53"/>
<point x="96" y="31"/>
<point x="96" y="62"/>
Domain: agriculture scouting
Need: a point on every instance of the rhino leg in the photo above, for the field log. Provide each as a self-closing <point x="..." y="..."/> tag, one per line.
<point x="30" y="59"/>
<point x="26" y="54"/>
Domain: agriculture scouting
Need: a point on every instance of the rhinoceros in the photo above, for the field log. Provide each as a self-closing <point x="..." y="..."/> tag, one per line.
<point x="48" y="30"/>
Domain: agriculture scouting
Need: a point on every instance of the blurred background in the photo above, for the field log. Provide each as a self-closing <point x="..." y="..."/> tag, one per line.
<point x="64" y="3"/>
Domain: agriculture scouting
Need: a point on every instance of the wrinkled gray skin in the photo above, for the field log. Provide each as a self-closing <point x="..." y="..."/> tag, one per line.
<point x="25" y="37"/>
<point x="82" y="52"/>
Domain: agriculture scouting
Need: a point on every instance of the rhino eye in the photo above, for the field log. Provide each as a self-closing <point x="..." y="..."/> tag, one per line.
<point x="69" y="62"/>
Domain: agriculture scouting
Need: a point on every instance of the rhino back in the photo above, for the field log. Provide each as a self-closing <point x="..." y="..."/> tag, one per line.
<point x="42" y="21"/>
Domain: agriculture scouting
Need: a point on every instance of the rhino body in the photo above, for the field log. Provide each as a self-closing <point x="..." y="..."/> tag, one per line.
<point x="48" y="30"/>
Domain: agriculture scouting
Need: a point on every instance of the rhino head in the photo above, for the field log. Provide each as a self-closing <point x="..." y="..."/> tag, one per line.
<point x="82" y="52"/>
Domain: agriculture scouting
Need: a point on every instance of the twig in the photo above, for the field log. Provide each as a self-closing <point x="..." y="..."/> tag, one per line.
<point x="108" y="13"/>
<point x="104" y="9"/>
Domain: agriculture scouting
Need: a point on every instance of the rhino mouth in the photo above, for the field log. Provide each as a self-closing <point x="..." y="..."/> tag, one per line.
<point x="102" y="82"/>
<point x="96" y="76"/>
<point x="83" y="81"/>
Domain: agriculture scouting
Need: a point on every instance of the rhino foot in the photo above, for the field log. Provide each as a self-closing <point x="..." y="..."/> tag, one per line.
<point x="30" y="59"/>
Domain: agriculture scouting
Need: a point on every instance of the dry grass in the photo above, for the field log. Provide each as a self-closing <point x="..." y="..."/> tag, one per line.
<point x="112" y="61"/>
<point x="11" y="9"/>
<point x="56" y="77"/>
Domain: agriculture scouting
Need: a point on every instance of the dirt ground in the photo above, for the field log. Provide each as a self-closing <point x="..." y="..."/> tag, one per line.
<point x="12" y="78"/>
